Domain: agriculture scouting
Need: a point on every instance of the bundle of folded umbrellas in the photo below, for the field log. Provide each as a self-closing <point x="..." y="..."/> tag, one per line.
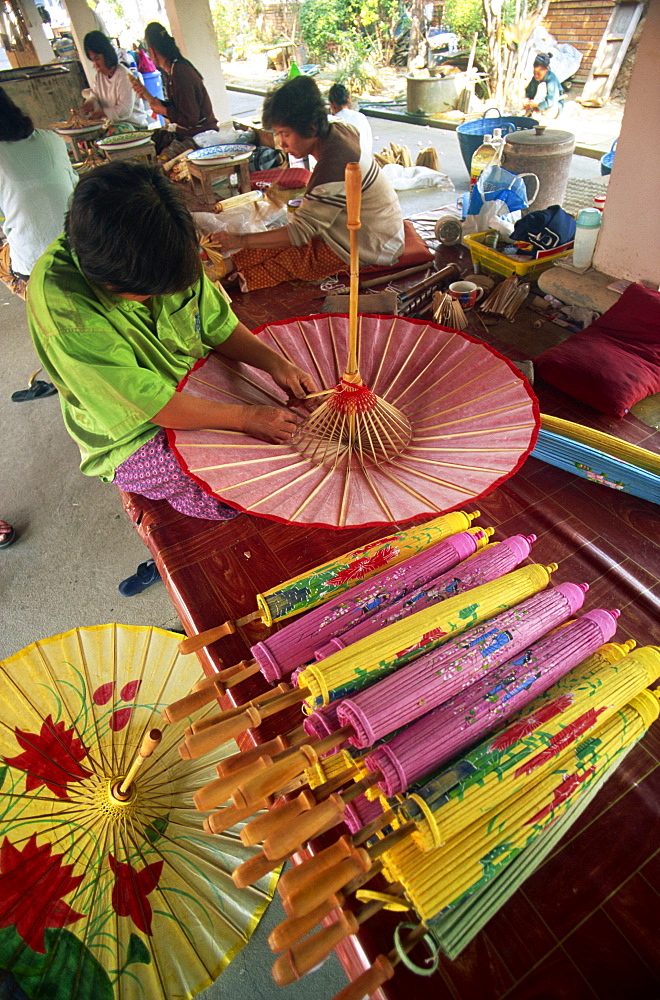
<point x="457" y="708"/>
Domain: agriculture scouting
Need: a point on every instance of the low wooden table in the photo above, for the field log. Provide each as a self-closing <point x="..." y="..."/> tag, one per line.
<point x="203" y="174"/>
<point x="145" y="151"/>
<point x="80" y="142"/>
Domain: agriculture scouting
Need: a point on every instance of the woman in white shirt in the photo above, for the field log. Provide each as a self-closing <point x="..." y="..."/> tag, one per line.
<point x="112" y="96"/>
<point x="36" y="183"/>
<point x="339" y="99"/>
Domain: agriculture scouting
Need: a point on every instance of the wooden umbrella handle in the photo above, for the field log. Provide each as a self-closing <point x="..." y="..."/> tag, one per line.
<point x="353" y="182"/>
<point x="220" y="790"/>
<point x="192" y="702"/>
<point x="275" y="777"/>
<point x="295" y="877"/>
<point x="367" y="984"/>
<point x="309" y="896"/>
<point x="239" y="761"/>
<point x="313" y="951"/>
<point x="200" y="743"/>
<point x="285" y="841"/>
<point x="225" y="818"/>
<point x="253" y="869"/>
<point x="201" y="639"/>
<point x="293" y="929"/>
<point x="264" y="826"/>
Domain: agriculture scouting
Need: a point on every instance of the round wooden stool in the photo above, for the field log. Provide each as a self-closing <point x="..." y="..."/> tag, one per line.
<point x="203" y="174"/>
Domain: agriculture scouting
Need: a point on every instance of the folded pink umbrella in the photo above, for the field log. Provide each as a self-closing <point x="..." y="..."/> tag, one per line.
<point x="360" y="812"/>
<point x="490" y="564"/>
<point x="484" y="705"/>
<point x="294" y="645"/>
<point x="415" y="689"/>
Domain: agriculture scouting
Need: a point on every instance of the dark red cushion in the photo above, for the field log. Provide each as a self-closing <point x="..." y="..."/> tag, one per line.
<point x="615" y="362"/>
<point x="415" y="251"/>
<point x="288" y="178"/>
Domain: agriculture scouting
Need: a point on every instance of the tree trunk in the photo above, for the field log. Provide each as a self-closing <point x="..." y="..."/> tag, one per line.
<point x="416" y="40"/>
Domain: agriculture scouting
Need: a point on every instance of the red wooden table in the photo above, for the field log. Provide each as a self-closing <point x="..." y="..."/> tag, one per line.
<point x="585" y="924"/>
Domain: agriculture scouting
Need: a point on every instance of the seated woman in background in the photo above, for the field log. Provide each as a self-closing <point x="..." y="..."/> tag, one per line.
<point x="36" y="183"/>
<point x="544" y="92"/>
<point x="188" y="104"/>
<point x="315" y="243"/>
<point x="112" y="96"/>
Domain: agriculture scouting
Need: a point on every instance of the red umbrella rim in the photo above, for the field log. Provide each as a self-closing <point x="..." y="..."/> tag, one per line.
<point x="171" y="432"/>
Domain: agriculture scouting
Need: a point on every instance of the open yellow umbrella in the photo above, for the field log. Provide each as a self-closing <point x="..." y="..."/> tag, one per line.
<point x="101" y="896"/>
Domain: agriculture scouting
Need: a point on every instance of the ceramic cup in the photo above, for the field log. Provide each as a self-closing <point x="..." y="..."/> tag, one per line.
<point x="466" y="292"/>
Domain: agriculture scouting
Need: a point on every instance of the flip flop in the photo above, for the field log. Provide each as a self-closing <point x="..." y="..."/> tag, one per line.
<point x="37" y="390"/>
<point x="9" y="533"/>
<point x="145" y="575"/>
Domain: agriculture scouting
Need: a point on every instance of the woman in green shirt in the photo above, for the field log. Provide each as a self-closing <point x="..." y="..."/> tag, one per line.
<point x="119" y="312"/>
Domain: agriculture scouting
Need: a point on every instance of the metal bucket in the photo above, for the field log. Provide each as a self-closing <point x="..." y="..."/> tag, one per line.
<point x="545" y="152"/>
<point x="428" y="95"/>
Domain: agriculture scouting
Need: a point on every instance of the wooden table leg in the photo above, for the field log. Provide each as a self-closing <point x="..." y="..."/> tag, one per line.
<point x="244" y="177"/>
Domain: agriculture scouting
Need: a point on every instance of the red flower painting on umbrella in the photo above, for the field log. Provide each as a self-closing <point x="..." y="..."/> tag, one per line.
<point x="130" y="891"/>
<point x="33" y="883"/>
<point x="364" y="565"/>
<point x="51" y="758"/>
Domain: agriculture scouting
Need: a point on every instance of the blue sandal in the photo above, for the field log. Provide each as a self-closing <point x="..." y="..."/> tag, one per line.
<point x="145" y="575"/>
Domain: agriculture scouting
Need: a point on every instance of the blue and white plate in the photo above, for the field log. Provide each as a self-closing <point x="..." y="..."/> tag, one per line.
<point x="215" y="154"/>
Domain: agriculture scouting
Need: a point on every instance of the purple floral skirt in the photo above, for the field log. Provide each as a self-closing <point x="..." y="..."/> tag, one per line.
<point x="153" y="472"/>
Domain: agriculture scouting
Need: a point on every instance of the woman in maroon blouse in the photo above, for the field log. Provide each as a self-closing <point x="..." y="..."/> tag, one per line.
<point x="188" y="104"/>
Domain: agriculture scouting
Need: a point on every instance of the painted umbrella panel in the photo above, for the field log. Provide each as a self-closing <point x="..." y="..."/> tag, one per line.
<point x="474" y="420"/>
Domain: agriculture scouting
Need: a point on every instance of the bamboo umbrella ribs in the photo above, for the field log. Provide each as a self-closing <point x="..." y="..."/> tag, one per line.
<point x="315" y="587"/>
<point x="353" y="420"/>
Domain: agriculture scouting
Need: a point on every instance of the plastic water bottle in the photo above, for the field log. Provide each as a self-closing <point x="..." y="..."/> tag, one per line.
<point x="490" y="151"/>
<point x="586" y="233"/>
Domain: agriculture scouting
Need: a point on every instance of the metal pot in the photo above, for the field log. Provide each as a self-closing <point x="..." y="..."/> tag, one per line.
<point x="545" y="152"/>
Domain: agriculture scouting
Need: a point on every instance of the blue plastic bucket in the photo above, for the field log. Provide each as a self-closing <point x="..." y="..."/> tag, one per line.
<point x="471" y="134"/>
<point x="607" y="161"/>
<point x="154" y="84"/>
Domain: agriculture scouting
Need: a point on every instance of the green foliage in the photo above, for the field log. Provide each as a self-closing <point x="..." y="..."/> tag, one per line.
<point x="322" y="22"/>
<point x="138" y="952"/>
<point x="464" y="17"/>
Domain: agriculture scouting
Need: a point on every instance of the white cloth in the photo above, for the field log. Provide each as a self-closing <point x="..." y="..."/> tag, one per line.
<point x="359" y="122"/>
<point x="117" y="99"/>
<point x="36" y="183"/>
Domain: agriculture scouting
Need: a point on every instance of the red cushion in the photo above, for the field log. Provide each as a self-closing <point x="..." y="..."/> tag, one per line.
<point x="615" y="362"/>
<point x="415" y="251"/>
<point x="288" y="178"/>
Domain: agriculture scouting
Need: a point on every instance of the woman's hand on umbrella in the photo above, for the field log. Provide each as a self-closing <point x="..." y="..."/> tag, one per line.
<point x="292" y="379"/>
<point x="227" y="241"/>
<point x="269" y="423"/>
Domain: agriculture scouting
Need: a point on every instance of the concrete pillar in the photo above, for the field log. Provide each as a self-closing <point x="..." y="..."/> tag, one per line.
<point x="191" y="25"/>
<point x="82" y="20"/>
<point x="630" y="236"/>
<point x="38" y="36"/>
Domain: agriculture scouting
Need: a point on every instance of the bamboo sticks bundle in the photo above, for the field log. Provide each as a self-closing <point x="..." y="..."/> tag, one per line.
<point x="448" y="311"/>
<point x="506" y="298"/>
<point x="395" y="154"/>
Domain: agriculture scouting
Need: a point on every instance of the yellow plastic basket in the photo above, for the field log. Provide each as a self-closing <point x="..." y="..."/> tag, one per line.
<point x="494" y="262"/>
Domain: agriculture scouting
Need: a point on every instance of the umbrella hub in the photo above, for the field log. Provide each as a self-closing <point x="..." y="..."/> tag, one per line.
<point x="110" y="803"/>
<point x="353" y="420"/>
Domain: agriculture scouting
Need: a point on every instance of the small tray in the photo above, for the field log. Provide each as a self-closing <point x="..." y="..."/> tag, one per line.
<point x="79" y="131"/>
<point x="218" y="154"/>
<point x="121" y="139"/>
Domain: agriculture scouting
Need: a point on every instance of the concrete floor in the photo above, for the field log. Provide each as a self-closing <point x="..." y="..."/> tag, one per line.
<point x="75" y="543"/>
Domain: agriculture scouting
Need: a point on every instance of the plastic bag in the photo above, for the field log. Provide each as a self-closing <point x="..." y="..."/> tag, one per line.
<point x="409" y="178"/>
<point x="497" y="200"/>
<point x="255" y="217"/>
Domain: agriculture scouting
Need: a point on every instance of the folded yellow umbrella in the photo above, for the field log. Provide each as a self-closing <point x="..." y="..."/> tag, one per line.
<point x="439" y="878"/>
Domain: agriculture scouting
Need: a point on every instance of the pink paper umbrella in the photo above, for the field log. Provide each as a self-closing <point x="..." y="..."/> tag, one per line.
<point x="360" y="812"/>
<point x="492" y="563"/>
<point x="294" y="645"/>
<point x="431" y="680"/>
<point x="482" y="707"/>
